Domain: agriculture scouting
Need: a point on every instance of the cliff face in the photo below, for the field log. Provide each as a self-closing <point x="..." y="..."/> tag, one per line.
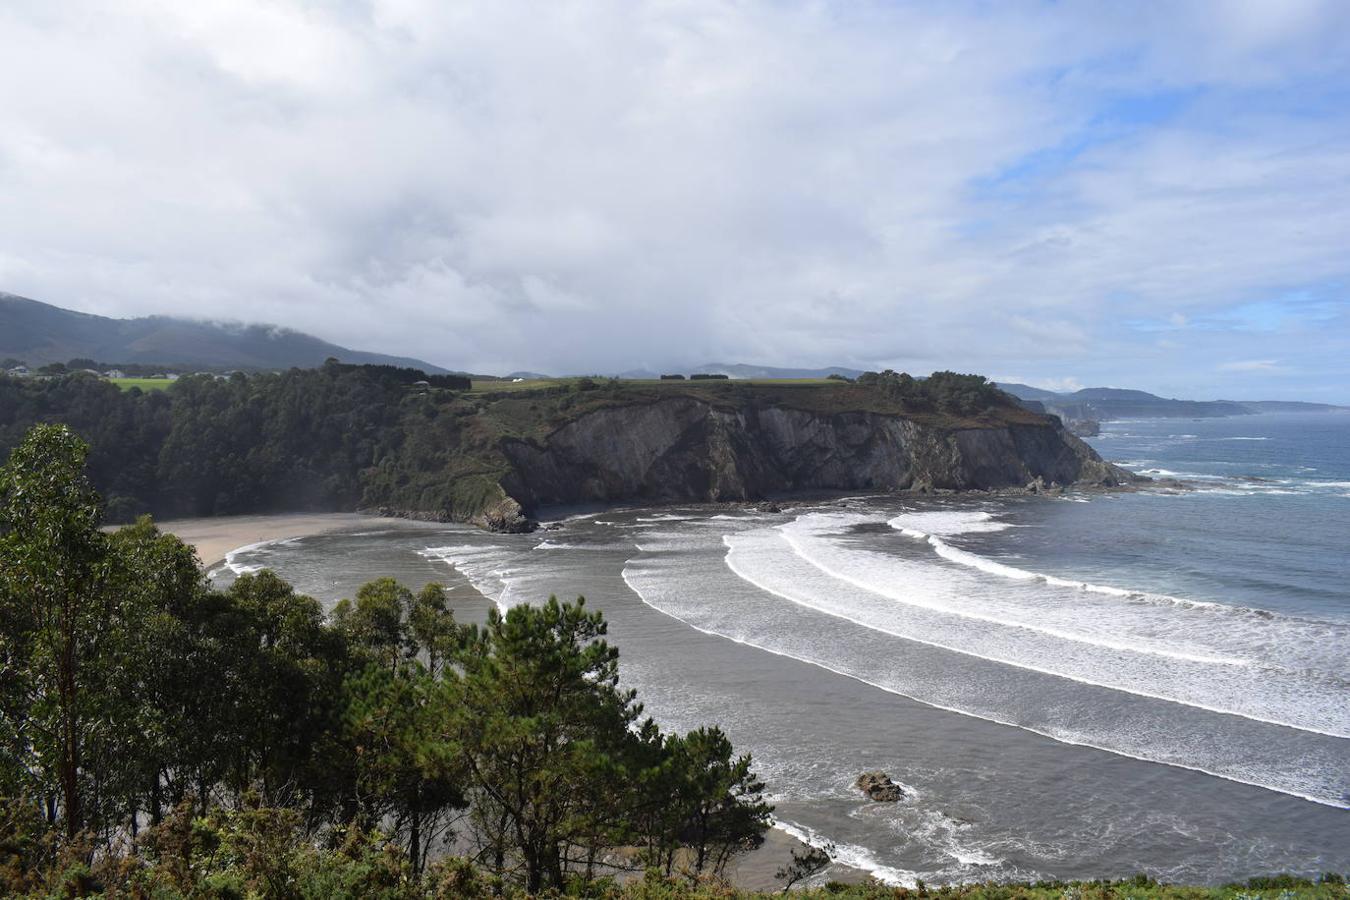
<point x="682" y="449"/>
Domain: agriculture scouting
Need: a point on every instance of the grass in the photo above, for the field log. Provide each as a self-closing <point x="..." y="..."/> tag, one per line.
<point x="532" y="384"/>
<point x="145" y="384"/>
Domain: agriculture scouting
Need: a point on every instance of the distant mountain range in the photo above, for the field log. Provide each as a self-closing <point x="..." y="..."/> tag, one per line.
<point x="1104" y="404"/>
<point x="39" y="333"/>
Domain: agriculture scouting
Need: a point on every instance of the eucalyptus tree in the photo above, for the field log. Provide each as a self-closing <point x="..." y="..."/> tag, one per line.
<point x="53" y="561"/>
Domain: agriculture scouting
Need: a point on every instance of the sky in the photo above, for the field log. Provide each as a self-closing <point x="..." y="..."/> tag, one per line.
<point x="1152" y="195"/>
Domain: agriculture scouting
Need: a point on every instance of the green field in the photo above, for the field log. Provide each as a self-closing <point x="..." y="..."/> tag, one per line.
<point x="485" y="386"/>
<point x="145" y="384"/>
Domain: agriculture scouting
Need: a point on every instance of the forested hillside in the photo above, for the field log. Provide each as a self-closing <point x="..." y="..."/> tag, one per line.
<point x="155" y="732"/>
<point x="39" y="333"/>
<point x="352" y="437"/>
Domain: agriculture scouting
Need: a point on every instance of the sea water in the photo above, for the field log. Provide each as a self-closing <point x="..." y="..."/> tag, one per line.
<point x="1080" y="686"/>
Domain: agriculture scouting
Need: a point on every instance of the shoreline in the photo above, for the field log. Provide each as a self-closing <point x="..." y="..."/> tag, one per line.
<point x="755" y="870"/>
<point x="215" y="537"/>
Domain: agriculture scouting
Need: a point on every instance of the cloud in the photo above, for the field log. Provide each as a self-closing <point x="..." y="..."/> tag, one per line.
<point x="585" y="186"/>
<point x="1253" y="365"/>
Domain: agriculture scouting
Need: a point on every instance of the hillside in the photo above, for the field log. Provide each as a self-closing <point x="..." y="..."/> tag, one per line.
<point x="342" y="438"/>
<point x="39" y="333"/>
<point x="1105" y="404"/>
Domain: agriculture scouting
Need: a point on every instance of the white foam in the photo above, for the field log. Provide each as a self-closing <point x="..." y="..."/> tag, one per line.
<point x="1099" y="647"/>
<point x="484" y="566"/>
<point x="690" y="590"/>
<point x="564" y="545"/>
<point x="238" y="568"/>
<point x="849" y="854"/>
<point x="948" y="522"/>
<point x="993" y="567"/>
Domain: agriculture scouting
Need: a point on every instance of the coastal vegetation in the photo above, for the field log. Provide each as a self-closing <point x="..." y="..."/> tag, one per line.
<point x="159" y="737"/>
<point x="163" y="738"/>
<point x="342" y="437"/>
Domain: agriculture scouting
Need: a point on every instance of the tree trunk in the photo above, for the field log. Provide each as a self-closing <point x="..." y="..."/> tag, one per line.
<point x="415" y="840"/>
<point x="156" y="802"/>
<point x="70" y="750"/>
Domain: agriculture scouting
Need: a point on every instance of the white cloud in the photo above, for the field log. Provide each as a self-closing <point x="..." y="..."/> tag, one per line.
<point x="585" y="186"/>
<point x="1252" y="365"/>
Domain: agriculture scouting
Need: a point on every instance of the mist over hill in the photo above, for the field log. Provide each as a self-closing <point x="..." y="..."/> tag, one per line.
<point x="741" y="370"/>
<point x="39" y="333"/>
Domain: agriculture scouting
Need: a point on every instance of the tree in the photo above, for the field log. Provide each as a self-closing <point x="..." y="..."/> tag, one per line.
<point x="396" y="711"/>
<point x="156" y="673"/>
<point x="806" y="862"/>
<point x="55" y="613"/>
<point x="278" y="728"/>
<point x="720" y="799"/>
<point x="545" y="730"/>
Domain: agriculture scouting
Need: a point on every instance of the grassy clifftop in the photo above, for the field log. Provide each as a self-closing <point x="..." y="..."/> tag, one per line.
<point x="535" y="409"/>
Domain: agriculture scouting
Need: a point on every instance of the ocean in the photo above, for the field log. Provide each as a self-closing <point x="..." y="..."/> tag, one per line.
<point x="1092" y="685"/>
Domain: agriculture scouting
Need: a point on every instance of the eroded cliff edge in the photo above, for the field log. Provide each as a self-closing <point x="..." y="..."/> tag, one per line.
<point x="687" y="449"/>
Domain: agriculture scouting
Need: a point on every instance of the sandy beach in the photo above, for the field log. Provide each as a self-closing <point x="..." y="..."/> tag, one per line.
<point x="215" y="537"/>
<point x="757" y="870"/>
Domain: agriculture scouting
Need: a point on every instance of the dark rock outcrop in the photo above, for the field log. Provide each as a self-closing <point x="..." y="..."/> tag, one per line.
<point x="686" y="450"/>
<point x="505" y="516"/>
<point x="878" y="786"/>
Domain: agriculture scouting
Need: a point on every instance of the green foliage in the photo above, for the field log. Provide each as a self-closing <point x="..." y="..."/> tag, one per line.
<point x="397" y="711"/>
<point x="545" y="732"/>
<point x="942" y="391"/>
<point x="347" y="437"/>
<point x="698" y="796"/>
<point x="248" y="746"/>
<point x="402" y="374"/>
<point x="55" y="609"/>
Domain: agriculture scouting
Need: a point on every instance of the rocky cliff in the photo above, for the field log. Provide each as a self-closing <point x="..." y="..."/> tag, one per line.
<point x="687" y="449"/>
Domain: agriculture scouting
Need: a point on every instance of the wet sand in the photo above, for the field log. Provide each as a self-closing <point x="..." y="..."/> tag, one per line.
<point x="217" y="536"/>
<point x="757" y="870"/>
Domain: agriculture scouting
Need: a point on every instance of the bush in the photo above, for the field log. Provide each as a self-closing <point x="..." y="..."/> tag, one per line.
<point x="945" y="391"/>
